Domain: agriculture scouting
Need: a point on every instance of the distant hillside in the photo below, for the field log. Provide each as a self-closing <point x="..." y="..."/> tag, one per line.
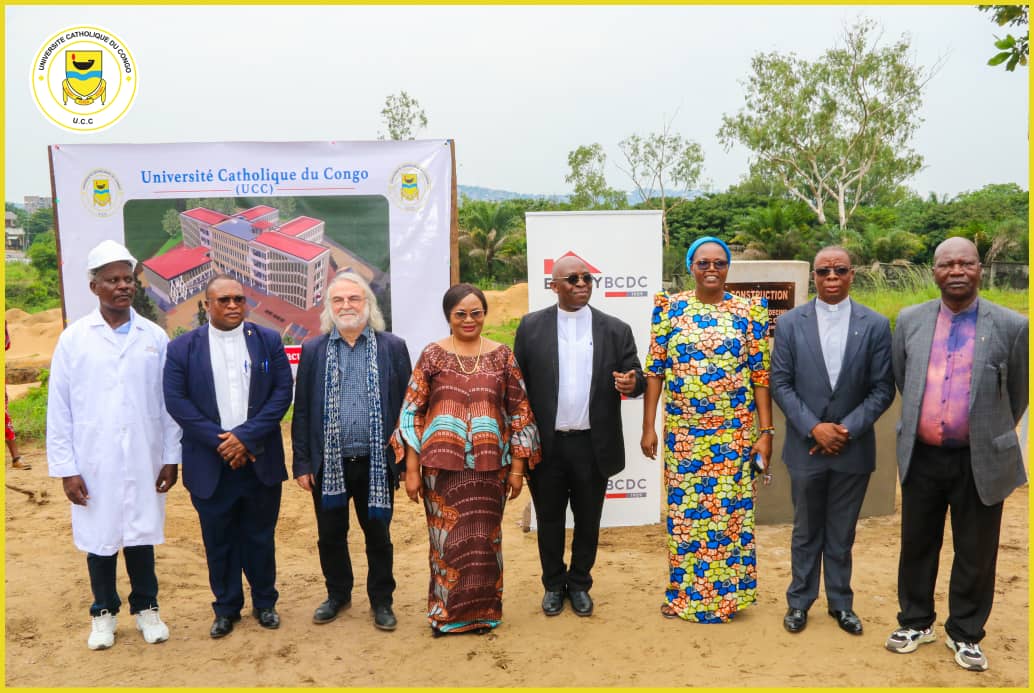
<point x="475" y="192"/>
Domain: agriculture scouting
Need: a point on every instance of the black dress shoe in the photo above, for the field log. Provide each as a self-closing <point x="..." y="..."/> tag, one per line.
<point x="223" y="625"/>
<point x="847" y="620"/>
<point x="267" y="617"/>
<point x="384" y="617"/>
<point x="328" y="610"/>
<point x="581" y="602"/>
<point x="553" y="602"/>
<point x="795" y="620"/>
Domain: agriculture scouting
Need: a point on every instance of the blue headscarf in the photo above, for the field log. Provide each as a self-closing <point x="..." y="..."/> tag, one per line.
<point x="701" y="241"/>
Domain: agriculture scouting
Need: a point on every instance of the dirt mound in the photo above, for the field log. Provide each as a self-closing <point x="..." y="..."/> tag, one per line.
<point x="507" y="305"/>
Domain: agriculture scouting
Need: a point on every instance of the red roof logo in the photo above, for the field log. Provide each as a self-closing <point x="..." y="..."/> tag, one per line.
<point x="547" y="265"/>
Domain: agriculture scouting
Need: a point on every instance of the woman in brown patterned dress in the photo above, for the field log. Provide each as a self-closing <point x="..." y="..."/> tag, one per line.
<point x="467" y="435"/>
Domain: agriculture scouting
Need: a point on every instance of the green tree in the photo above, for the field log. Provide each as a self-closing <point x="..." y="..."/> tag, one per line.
<point x="590" y="185"/>
<point x="171" y="222"/>
<point x="38" y="223"/>
<point x="403" y="117"/>
<point x="1012" y="50"/>
<point x="660" y="165"/>
<point x="779" y="230"/>
<point x="837" y="130"/>
<point x="489" y="239"/>
<point x="43" y="256"/>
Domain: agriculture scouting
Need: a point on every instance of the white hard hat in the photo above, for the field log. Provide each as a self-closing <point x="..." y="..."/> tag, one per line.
<point x="108" y="251"/>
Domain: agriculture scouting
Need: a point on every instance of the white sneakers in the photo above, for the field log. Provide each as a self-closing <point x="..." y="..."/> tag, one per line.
<point x="967" y="655"/>
<point x="148" y="622"/>
<point x="102" y="633"/>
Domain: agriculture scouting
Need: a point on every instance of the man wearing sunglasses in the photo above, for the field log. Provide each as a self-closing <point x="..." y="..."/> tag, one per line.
<point x="577" y="363"/>
<point x="831" y="376"/>
<point x="228" y="384"/>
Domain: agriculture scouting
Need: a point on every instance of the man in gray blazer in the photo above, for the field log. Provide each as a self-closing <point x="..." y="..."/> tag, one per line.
<point x="831" y="377"/>
<point x="960" y="363"/>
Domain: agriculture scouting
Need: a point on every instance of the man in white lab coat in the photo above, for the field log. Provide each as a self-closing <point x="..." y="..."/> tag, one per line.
<point x="113" y="444"/>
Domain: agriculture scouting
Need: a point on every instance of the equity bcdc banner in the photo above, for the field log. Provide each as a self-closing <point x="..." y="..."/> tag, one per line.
<point x="623" y="252"/>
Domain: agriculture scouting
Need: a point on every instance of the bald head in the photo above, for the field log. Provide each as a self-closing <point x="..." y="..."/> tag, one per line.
<point x="956" y="244"/>
<point x="571" y="296"/>
<point x="956" y="271"/>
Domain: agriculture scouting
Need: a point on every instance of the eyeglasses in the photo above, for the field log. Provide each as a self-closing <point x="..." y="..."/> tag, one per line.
<point x="227" y="300"/>
<point x="354" y="300"/>
<point x="572" y="279"/>
<point x="839" y="270"/>
<point x="708" y="264"/>
<point x="462" y="315"/>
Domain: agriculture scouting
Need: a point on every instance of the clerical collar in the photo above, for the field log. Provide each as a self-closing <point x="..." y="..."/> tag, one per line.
<point x="227" y="334"/>
<point x="834" y="307"/>
<point x="571" y="314"/>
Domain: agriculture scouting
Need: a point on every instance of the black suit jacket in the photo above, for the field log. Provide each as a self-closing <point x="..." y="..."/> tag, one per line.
<point x="613" y="349"/>
<point x="307" y="425"/>
<point x="800" y="386"/>
<point x="190" y="399"/>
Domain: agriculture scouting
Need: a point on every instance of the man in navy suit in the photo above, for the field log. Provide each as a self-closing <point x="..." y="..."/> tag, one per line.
<point x="831" y="376"/>
<point x="228" y="385"/>
<point x="348" y="396"/>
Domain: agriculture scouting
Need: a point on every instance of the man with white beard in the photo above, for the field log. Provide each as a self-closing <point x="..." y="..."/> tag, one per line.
<point x="347" y="399"/>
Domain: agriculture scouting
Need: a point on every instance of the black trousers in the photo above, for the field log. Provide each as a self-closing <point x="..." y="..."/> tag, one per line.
<point x="568" y="475"/>
<point x="332" y="528"/>
<point x="826" y="504"/>
<point x="938" y="479"/>
<point x="238" y="526"/>
<point x="142" y="580"/>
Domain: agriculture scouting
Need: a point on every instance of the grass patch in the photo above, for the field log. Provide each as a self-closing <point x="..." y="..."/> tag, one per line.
<point x="171" y="243"/>
<point x="29" y="413"/>
<point x="25" y="290"/>
<point x="502" y="333"/>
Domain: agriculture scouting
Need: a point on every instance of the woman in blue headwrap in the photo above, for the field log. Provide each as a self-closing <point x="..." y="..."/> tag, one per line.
<point x="709" y="350"/>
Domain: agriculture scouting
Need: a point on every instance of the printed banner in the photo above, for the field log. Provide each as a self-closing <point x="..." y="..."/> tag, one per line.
<point x="623" y="251"/>
<point x="282" y="218"/>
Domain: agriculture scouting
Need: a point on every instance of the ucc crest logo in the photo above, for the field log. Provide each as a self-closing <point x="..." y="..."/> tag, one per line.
<point x="101" y="193"/>
<point x="409" y="186"/>
<point x="84" y="79"/>
<point x="84" y="82"/>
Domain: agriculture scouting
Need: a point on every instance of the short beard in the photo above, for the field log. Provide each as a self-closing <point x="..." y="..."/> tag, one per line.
<point x="352" y="322"/>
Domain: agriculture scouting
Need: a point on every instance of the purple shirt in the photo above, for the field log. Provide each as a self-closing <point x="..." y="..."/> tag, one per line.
<point x="944" y="414"/>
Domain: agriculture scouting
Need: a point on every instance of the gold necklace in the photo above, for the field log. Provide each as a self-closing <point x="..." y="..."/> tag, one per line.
<point x="477" y="360"/>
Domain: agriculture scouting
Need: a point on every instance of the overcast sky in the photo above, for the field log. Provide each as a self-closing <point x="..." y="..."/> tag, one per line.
<point x="516" y="87"/>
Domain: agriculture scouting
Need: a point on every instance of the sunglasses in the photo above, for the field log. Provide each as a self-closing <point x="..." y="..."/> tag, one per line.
<point x="474" y="314"/>
<point x="708" y="264"/>
<point x="840" y="271"/>
<point x="227" y="300"/>
<point x="573" y="279"/>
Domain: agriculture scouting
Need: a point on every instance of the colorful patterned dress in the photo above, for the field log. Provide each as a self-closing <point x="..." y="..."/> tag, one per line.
<point x="466" y="427"/>
<point x="711" y="357"/>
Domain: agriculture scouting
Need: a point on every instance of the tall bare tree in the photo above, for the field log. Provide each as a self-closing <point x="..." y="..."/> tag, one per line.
<point x="661" y="165"/>
<point x="403" y="117"/>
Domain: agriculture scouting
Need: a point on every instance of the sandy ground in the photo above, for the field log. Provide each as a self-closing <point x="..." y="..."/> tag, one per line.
<point x="625" y="643"/>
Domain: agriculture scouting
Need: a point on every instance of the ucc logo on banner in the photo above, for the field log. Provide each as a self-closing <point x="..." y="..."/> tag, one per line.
<point x="84" y="79"/>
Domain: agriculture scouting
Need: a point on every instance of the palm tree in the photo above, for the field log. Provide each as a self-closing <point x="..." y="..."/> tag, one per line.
<point x="486" y="234"/>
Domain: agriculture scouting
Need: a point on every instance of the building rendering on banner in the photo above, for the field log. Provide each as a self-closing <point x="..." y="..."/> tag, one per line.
<point x="287" y="260"/>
